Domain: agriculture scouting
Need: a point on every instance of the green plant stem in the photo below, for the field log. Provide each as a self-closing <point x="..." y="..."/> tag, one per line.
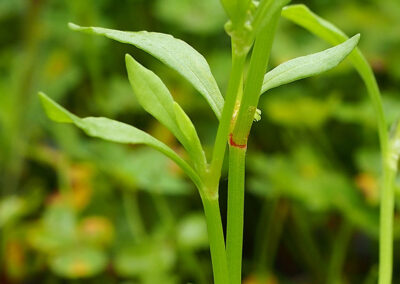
<point x="238" y="145"/>
<point x="338" y="253"/>
<point x="387" y="194"/>
<point x="234" y="234"/>
<point x="386" y="226"/>
<point x="258" y="65"/>
<point x="216" y="239"/>
<point x="238" y="61"/>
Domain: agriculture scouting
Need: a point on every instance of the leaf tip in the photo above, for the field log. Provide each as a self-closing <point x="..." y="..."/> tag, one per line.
<point x="74" y="27"/>
<point x="54" y="111"/>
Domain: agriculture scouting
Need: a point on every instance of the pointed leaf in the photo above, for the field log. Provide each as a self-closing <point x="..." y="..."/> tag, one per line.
<point x="302" y="16"/>
<point x="114" y="131"/>
<point x="173" y="52"/>
<point x="194" y="147"/>
<point x="310" y="65"/>
<point x="153" y="95"/>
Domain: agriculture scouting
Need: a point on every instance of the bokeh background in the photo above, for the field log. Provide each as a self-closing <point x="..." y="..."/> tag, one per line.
<point x="78" y="210"/>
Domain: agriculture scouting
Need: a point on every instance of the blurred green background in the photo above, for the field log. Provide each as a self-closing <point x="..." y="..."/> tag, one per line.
<point x="78" y="210"/>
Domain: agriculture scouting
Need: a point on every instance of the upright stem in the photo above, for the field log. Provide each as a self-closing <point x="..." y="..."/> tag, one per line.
<point x="216" y="239"/>
<point x="238" y="61"/>
<point x="238" y="145"/>
<point x="234" y="234"/>
<point x="389" y="173"/>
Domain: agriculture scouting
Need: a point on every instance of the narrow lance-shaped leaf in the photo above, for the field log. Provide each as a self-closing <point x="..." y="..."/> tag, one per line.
<point x="305" y="18"/>
<point x="173" y="52"/>
<point x="153" y="95"/>
<point x="310" y="65"/>
<point x="301" y="15"/>
<point x="156" y="99"/>
<point x="194" y="149"/>
<point x="114" y="131"/>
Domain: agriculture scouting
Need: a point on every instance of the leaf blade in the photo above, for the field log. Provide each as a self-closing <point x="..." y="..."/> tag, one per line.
<point x="115" y="131"/>
<point x="309" y="65"/>
<point x="152" y="95"/>
<point x="174" y="53"/>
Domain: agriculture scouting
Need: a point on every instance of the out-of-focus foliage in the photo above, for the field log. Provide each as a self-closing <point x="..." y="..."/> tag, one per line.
<point x="72" y="207"/>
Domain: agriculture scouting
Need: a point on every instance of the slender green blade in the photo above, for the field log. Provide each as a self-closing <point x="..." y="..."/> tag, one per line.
<point x="310" y="65"/>
<point x="194" y="148"/>
<point x="303" y="16"/>
<point x="114" y="131"/>
<point x="153" y="95"/>
<point x="173" y="52"/>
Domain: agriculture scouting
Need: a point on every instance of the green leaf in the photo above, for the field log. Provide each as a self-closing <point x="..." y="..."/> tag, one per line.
<point x="194" y="147"/>
<point x="155" y="98"/>
<point x="310" y="65"/>
<point x="153" y="95"/>
<point x="302" y="16"/>
<point x="114" y="131"/>
<point x="173" y="52"/>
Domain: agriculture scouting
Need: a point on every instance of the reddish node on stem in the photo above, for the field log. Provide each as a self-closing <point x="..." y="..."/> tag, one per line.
<point x="234" y="144"/>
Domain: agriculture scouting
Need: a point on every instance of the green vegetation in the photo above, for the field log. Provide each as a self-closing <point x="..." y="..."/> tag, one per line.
<point x="76" y="208"/>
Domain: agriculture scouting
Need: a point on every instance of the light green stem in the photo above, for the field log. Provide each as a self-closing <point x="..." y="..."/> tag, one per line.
<point x="224" y="126"/>
<point x="387" y="194"/>
<point x="216" y="240"/>
<point x="238" y="145"/>
<point x="234" y="234"/>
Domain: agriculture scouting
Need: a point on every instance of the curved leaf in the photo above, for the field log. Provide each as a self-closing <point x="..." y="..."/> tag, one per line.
<point x="194" y="147"/>
<point x="152" y="95"/>
<point x="114" y="131"/>
<point x="302" y="16"/>
<point x="310" y="65"/>
<point x="173" y="52"/>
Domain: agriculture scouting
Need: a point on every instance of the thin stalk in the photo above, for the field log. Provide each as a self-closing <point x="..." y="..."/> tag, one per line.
<point x="216" y="239"/>
<point x="235" y="219"/>
<point x="238" y="145"/>
<point x="258" y="65"/>
<point x="338" y="254"/>
<point x="387" y="195"/>
<point x="238" y="61"/>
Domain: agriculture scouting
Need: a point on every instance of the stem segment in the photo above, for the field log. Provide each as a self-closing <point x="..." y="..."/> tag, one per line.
<point x="238" y="61"/>
<point x="387" y="194"/>
<point x="234" y="235"/>
<point x="216" y="239"/>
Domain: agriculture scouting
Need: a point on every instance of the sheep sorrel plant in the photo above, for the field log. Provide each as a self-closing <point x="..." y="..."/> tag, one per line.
<point x="252" y="26"/>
